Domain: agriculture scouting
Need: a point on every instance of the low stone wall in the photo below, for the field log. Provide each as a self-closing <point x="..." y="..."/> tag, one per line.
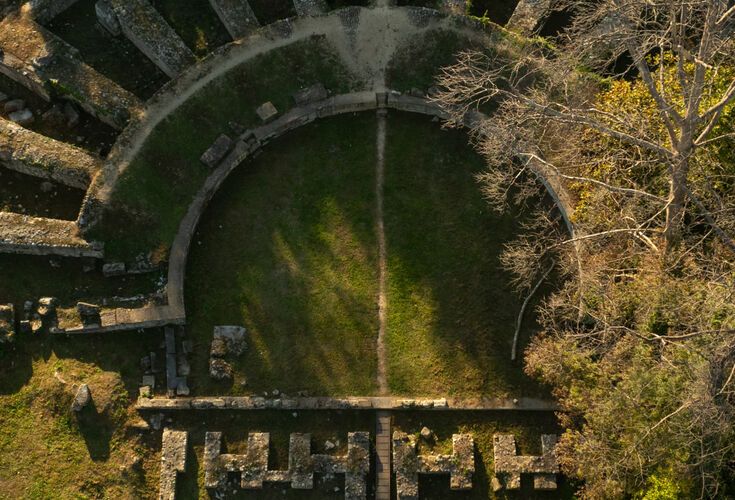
<point x="252" y="466"/>
<point x="44" y="11"/>
<point x="237" y="16"/>
<point x="120" y="319"/>
<point x="149" y="31"/>
<point x="408" y="464"/>
<point x="42" y="62"/>
<point x="22" y="234"/>
<point x="350" y="403"/>
<point x="34" y="154"/>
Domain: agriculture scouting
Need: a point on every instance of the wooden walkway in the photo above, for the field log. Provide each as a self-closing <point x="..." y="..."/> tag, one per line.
<point x="382" y="454"/>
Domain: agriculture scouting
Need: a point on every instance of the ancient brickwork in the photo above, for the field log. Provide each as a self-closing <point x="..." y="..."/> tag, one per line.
<point x="149" y="31"/>
<point x="173" y="461"/>
<point x="34" y="154"/>
<point x="302" y="465"/>
<point x="509" y="466"/>
<point x="237" y="16"/>
<point x="42" y="62"/>
<point x="407" y="464"/>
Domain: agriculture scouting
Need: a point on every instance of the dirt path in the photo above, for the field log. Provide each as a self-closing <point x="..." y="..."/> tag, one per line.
<point x="382" y="265"/>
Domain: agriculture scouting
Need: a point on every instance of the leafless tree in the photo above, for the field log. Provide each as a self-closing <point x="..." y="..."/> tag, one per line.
<point x="629" y="115"/>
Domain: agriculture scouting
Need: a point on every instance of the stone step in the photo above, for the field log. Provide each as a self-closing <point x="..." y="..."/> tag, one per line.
<point x="34" y="154"/>
<point x="141" y="23"/>
<point x="237" y="16"/>
<point x="48" y="66"/>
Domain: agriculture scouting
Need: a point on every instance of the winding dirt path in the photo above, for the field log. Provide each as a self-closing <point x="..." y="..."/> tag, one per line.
<point x="382" y="265"/>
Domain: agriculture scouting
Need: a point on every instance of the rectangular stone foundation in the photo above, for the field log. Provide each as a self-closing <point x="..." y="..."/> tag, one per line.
<point x="146" y="28"/>
<point x="302" y="465"/>
<point x="407" y="464"/>
<point x="510" y="466"/>
<point x="48" y="66"/>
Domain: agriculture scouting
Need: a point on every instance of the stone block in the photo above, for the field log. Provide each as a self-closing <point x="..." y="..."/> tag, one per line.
<point x="24" y="117"/>
<point x="113" y="269"/>
<point x="510" y="465"/>
<point x="266" y="111"/>
<point x="7" y="323"/>
<point x="217" y="151"/>
<point x="233" y="336"/>
<point x="107" y="18"/>
<point x="173" y="461"/>
<point x="82" y="398"/>
<point x="316" y="92"/>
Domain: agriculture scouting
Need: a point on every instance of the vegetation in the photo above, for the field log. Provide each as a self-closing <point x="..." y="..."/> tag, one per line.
<point x="638" y="347"/>
<point x="155" y="191"/>
<point x="196" y="23"/>
<point x="46" y="451"/>
<point x="451" y="306"/>
<point x="288" y="250"/>
<point x="114" y="57"/>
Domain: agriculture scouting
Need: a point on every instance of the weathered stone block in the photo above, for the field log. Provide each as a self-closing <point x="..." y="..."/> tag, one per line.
<point x="267" y="111"/>
<point x="24" y="117"/>
<point x="7" y="323"/>
<point x="113" y="269"/>
<point x="237" y="16"/>
<point x="217" y="151"/>
<point x="107" y="18"/>
<point x="173" y="461"/>
<point x="310" y="7"/>
<point x="511" y="466"/>
<point x="82" y="398"/>
<point x="316" y="92"/>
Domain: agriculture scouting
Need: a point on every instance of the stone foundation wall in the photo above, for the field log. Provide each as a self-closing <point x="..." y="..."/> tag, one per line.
<point x="34" y="154"/>
<point x="252" y="466"/>
<point x="48" y="66"/>
<point x="509" y="466"/>
<point x="22" y="234"/>
<point x="146" y="28"/>
<point x="407" y="464"/>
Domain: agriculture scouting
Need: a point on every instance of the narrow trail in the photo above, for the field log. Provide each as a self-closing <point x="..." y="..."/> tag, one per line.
<point x="382" y="265"/>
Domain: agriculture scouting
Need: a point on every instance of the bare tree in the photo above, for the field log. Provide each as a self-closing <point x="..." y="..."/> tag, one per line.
<point x="631" y="114"/>
<point x="542" y="94"/>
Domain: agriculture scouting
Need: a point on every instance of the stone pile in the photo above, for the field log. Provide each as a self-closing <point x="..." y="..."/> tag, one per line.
<point x="302" y="465"/>
<point x="173" y="461"/>
<point x="407" y="464"/>
<point x="228" y="341"/>
<point x="7" y="323"/>
<point x="509" y="466"/>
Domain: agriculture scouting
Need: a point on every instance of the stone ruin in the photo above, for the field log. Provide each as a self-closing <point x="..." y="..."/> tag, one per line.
<point x="173" y="461"/>
<point x="302" y="465"/>
<point x="509" y="466"/>
<point x="407" y="464"/>
<point x="227" y="341"/>
<point x="7" y="323"/>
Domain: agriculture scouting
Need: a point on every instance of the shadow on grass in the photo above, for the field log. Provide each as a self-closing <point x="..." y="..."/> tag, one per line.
<point x="287" y="249"/>
<point x="452" y="310"/>
<point x="96" y="428"/>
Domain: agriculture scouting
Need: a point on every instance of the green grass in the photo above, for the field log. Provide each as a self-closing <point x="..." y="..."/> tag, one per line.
<point x="451" y="311"/>
<point x="527" y="428"/>
<point x="115" y="57"/>
<point x="288" y="250"/>
<point x="155" y="191"/>
<point x="235" y="426"/>
<point x="418" y="65"/>
<point x="196" y="23"/>
<point x="48" y="452"/>
<point x="27" y="277"/>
